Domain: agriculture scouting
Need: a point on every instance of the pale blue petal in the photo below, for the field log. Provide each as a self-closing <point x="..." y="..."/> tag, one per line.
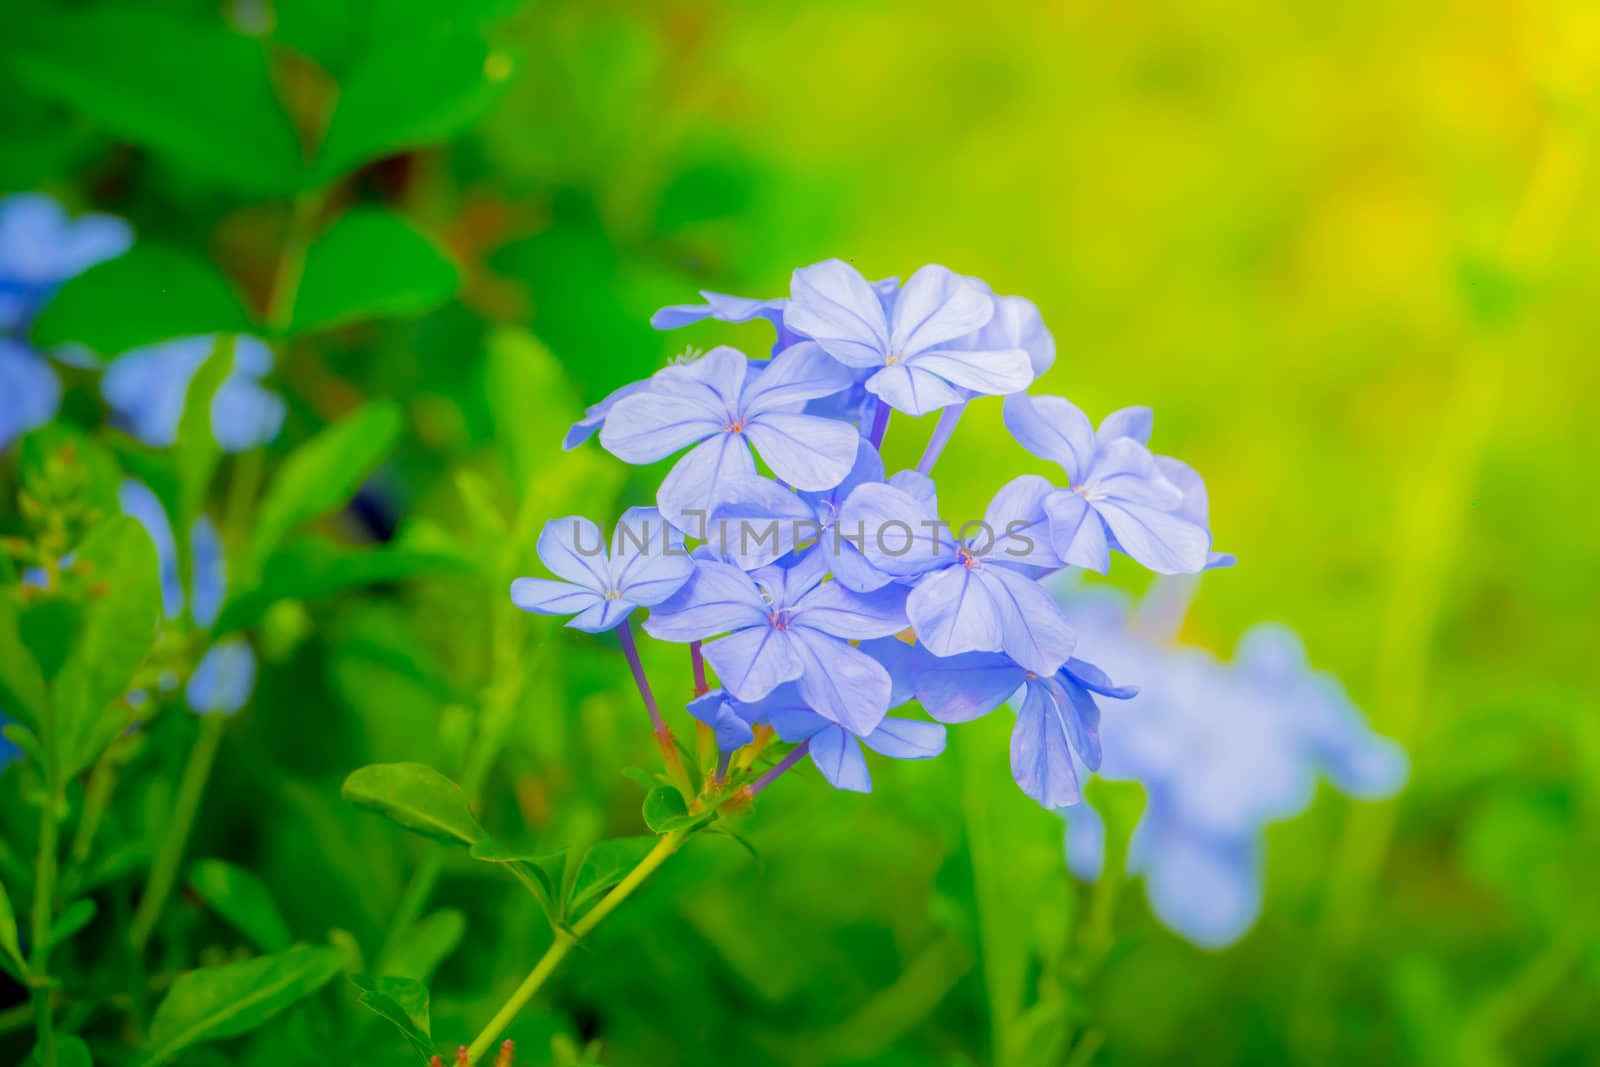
<point x="595" y="415"/>
<point x="912" y="390"/>
<point x="786" y="711"/>
<point x="899" y="534"/>
<point x="601" y="616"/>
<point x="717" y="711"/>
<point x="896" y="657"/>
<point x="691" y="489"/>
<point x="753" y="662"/>
<point x="806" y="451"/>
<point x="799" y="373"/>
<point x="1085" y="842"/>
<point x="223" y="680"/>
<point x="1134" y="422"/>
<point x="209" y="584"/>
<point x="245" y="415"/>
<point x="956" y="689"/>
<point x="787" y="581"/>
<point x="919" y="487"/>
<point x="545" y="596"/>
<point x="1096" y="680"/>
<point x="842" y="683"/>
<point x="953" y="612"/>
<point x="146" y="387"/>
<point x="137" y="500"/>
<point x="996" y="372"/>
<point x="906" y="739"/>
<point x="1034" y="630"/>
<point x="833" y="609"/>
<point x="1018" y="526"/>
<point x="1077" y="533"/>
<point x="1018" y="324"/>
<point x="718" y="597"/>
<point x="31" y="390"/>
<point x="718" y="306"/>
<point x="574" y="548"/>
<point x="756" y="520"/>
<point x="1041" y="762"/>
<point x="850" y="568"/>
<point x="832" y="303"/>
<point x="648" y="560"/>
<point x="1161" y="541"/>
<point x="1079" y="716"/>
<point x="934" y="306"/>
<point x="838" y="756"/>
<point x="647" y="426"/>
<point x="1052" y="428"/>
<point x="1125" y="471"/>
<point x="1208" y="891"/>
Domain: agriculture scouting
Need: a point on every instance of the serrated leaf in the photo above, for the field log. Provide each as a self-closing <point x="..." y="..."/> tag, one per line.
<point x="417" y="797"/>
<point x="213" y="1003"/>
<point x="323" y="473"/>
<point x="371" y="264"/>
<point x="404" y="1003"/>
<point x="151" y="293"/>
<point x="187" y="88"/>
<point x="242" y="901"/>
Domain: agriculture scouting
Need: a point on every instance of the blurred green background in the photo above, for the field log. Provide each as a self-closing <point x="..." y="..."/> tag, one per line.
<point x="1347" y="253"/>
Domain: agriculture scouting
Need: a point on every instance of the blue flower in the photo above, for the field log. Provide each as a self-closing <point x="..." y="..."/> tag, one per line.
<point x="720" y="407"/>
<point x="9" y="752"/>
<point x="1119" y="495"/>
<point x="1222" y="750"/>
<point x="646" y="565"/>
<point x="226" y="675"/>
<point x="41" y="247"/>
<point x="146" y="388"/>
<point x="973" y="593"/>
<point x="912" y="347"/>
<point x="1057" y="716"/>
<point x="595" y="415"/>
<point x="787" y="624"/>
<point x="727" y="309"/>
<point x="31" y="389"/>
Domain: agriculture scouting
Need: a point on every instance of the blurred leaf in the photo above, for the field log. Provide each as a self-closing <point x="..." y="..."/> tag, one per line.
<point x="151" y="293"/>
<point x="115" y="636"/>
<point x="430" y="943"/>
<point x="22" y="688"/>
<point x="324" y="472"/>
<point x="188" y="88"/>
<point x="70" y="1052"/>
<point x="213" y="1003"/>
<point x="417" y="797"/>
<point x="196" y="452"/>
<point x="42" y="451"/>
<point x="542" y="873"/>
<point x="605" y="864"/>
<point x="403" y="1002"/>
<point x="8" y="932"/>
<point x="240" y="898"/>
<point x="311" y="567"/>
<point x="73" y="918"/>
<point x="370" y="264"/>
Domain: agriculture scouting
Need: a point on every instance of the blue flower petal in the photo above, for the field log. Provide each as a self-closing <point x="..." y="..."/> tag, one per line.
<point x="837" y="754"/>
<point x="31" y="389"/>
<point x="754" y="661"/>
<point x="842" y="683"/>
<point x="224" y="679"/>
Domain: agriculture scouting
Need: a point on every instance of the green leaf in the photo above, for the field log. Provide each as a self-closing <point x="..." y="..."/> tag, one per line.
<point x="404" y="1002"/>
<point x="196" y="452"/>
<point x="152" y="293"/>
<point x="116" y="633"/>
<point x="665" y="810"/>
<point x="312" y="567"/>
<point x="324" y="472"/>
<point x="606" y="864"/>
<point x="240" y="898"/>
<point x="430" y="944"/>
<point x="213" y="1003"/>
<point x="73" y="918"/>
<point x="22" y="688"/>
<point x="417" y="797"/>
<point x="70" y="1052"/>
<point x="542" y="873"/>
<point x="189" y="89"/>
<point x="371" y="264"/>
<point x="8" y="932"/>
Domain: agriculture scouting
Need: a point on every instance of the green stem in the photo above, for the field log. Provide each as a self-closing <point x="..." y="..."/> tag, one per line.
<point x="292" y="261"/>
<point x="44" y="889"/>
<point x="565" y="940"/>
<point x="164" y="872"/>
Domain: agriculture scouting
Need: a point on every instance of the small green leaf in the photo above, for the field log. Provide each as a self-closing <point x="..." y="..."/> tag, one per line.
<point x="417" y="797"/>
<point x="22" y="688"/>
<point x="115" y="636"/>
<point x="430" y="944"/>
<point x="152" y="293"/>
<point x="70" y="1052"/>
<point x="371" y="264"/>
<point x="240" y="898"/>
<point x="8" y="932"/>
<point x="606" y="864"/>
<point x="324" y="472"/>
<point x="196" y="452"/>
<point x="403" y="1002"/>
<point x="73" y="918"/>
<point x="542" y="873"/>
<point x="136" y="71"/>
<point x="213" y="1003"/>
<point x="664" y="809"/>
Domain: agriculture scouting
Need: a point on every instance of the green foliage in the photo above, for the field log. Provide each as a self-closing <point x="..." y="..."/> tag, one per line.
<point x="9" y="948"/>
<point x="417" y="797"/>
<point x="404" y="1003"/>
<point x="213" y="1003"/>
<point x="371" y="264"/>
<point x="240" y="898"/>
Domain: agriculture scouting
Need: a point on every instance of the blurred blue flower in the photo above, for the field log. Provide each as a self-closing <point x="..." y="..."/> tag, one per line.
<point x="1057" y="717"/>
<point x="973" y="593"/>
<point x="911" y="346"/>
<point x="9" y="752"/>
<point x="40" y="247"/>
<point x="1222" y="750"/>
<point x="1119" y="495"/>
<point x="720" y="407"/>
<point x="225" y="676"/>
<point x="646" y="565"/>
<point x="786" y="624"/>
<point x="146" y="389"/>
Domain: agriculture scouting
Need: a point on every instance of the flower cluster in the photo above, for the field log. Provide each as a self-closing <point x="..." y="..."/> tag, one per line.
<point x="825" y="592"/>
<point x="1221" y="749"/>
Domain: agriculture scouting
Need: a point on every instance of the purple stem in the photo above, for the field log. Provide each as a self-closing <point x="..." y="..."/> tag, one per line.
<point x="629" y="649"/>
<point x="698" y="661"/>
<point x="948" y="418"/>
<point x="880" y="423"/>
<point x="782" y="765"/>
